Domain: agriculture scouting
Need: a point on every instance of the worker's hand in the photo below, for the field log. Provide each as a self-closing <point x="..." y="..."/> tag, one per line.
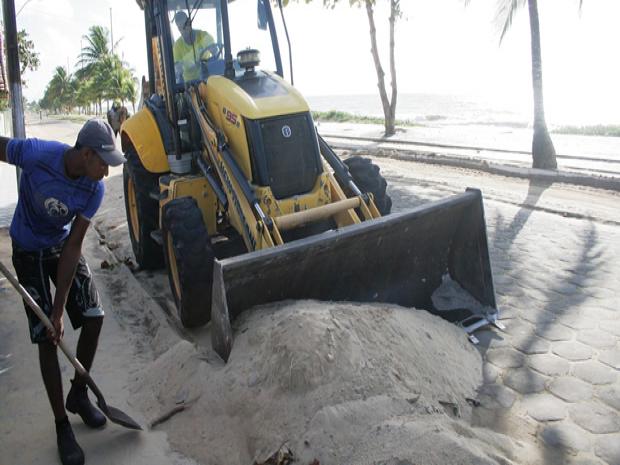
<point x="205" y="54"/>
<point x="59" y="328"/>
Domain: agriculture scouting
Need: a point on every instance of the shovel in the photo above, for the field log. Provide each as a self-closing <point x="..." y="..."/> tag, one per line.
<point x="115" y="415"/>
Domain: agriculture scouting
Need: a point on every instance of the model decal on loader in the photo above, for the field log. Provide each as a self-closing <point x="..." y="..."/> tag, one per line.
<point x="231" y="117"/>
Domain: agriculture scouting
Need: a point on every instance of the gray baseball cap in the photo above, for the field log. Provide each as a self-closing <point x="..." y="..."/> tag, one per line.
<point x="98" y="135"/>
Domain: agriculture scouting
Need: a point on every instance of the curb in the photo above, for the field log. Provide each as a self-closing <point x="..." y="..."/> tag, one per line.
<point x="550" y="176"/>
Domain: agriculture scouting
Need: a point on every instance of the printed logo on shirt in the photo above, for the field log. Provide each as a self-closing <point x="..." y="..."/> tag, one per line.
<point x="55" y="208"/>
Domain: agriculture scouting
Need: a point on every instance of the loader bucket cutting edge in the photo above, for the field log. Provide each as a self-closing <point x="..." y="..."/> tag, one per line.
<point x="400" y="258"/>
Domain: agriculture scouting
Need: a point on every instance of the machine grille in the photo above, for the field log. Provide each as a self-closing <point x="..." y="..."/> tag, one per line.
<point x="291" y="154"/>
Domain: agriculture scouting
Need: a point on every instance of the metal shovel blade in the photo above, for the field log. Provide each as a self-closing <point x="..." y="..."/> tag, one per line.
<point x="114" y="415"/>
<point x="400" y="258"/>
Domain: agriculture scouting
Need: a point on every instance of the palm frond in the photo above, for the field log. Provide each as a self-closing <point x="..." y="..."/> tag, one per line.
<point x="506" y="12"/>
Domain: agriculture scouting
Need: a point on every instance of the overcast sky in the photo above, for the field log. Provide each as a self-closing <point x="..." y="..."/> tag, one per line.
<point x="442" y="47"/>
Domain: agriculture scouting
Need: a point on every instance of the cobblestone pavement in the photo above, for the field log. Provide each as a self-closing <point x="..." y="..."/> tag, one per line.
<point x="558" y="361"/>
<point x="552" y="376"/>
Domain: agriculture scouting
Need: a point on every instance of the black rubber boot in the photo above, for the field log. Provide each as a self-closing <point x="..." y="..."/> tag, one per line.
<point x="69" y="450"/>
<point x="78" y="402"/>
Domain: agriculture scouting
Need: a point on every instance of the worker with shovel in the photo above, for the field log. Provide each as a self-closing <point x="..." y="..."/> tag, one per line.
<point x="60" y="191"/>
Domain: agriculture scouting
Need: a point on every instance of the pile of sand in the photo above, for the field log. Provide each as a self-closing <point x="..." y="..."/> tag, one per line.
<point x="340" y="383"/>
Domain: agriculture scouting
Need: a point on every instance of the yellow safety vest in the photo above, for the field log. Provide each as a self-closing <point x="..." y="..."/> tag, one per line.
<point x="184" y="53"/>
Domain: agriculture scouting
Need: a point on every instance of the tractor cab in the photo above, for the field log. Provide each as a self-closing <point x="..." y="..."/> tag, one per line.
<point x="203" y="35"/>
<point x="191" y="40"/>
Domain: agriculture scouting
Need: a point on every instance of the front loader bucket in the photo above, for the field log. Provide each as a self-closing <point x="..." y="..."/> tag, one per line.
<point x="400" y="258"/>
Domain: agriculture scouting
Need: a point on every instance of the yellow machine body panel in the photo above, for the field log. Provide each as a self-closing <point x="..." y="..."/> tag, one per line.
<point x="143" y="133"/>
<point x="240" y="214"/>
<point x="192" y="186"/>
<point x="319" y="195"/>
<point x="228" y="104"/>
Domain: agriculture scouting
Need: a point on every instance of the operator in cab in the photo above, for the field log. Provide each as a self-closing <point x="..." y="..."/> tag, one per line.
<point x="190" y="48"/>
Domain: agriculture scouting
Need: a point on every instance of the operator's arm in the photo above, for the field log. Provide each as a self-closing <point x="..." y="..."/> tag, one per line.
<point x="67" y="264"/>
<point x="4" y="141"/>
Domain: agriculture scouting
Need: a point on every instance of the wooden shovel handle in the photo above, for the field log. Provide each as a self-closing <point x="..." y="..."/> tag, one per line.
<point x="43" y="317"/>
<point x="114" y="414"/>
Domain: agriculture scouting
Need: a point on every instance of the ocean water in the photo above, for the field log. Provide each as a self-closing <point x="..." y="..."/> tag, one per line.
<point x="444" y="109"/>
<point x="440" y="109"/>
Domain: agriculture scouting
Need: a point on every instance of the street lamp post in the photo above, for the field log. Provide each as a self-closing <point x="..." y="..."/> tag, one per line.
<point x="13" y="72"/>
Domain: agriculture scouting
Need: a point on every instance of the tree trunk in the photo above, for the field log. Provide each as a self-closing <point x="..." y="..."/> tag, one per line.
<point x="392" y="117"/>
<point x="543" y="152"/>
<point x="387" y="108"/>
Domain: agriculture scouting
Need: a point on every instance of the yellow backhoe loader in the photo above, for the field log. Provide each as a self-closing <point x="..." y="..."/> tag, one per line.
<point x="228" y="183"/>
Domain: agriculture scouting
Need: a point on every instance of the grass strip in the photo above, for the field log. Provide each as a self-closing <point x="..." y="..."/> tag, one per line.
<point x="607" y="130"/>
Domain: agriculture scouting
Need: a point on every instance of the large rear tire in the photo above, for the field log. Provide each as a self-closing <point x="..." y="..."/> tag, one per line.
<point x="189" y="259"/>
<point x="142" y="211"/>
<point x="368" y="178"/>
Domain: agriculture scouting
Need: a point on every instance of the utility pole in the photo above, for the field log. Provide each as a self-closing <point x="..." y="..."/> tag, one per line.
<point x="13" y="72"/>
<point x="111" y="33"/>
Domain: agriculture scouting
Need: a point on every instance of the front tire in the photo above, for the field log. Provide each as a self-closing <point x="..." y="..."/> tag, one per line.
<point x="142" y="211"/>
<point x="368" y="178"/>
<point x="189" y="260"/>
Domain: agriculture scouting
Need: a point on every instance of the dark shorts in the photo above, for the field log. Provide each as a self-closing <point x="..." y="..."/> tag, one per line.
<point x="36" y="269"/>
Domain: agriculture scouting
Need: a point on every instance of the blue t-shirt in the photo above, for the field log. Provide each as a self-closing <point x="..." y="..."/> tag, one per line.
<point x="48" y="199"/>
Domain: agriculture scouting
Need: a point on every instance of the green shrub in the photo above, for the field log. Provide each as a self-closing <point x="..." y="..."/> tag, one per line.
<point x="596" y="130"/>
<point x="344" y="117"/>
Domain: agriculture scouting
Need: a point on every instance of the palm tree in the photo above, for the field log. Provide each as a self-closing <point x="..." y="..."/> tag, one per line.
<point x="90" y="62"/>
<point x="387" y="101"/>
<point x="84" y="95"/>
<point x="101" y="74"/>
<point x="123" y="83"/>
<point x="543" y="151"/>
<point x="60" y="91"/>
<point x="130" y="90"/>
<point x="95" y="50"/>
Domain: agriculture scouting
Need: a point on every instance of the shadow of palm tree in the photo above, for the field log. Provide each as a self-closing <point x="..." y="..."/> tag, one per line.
<point x="559" y="298"/>
<point x="510" y="232"/>
<point x="502" y="253"/>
